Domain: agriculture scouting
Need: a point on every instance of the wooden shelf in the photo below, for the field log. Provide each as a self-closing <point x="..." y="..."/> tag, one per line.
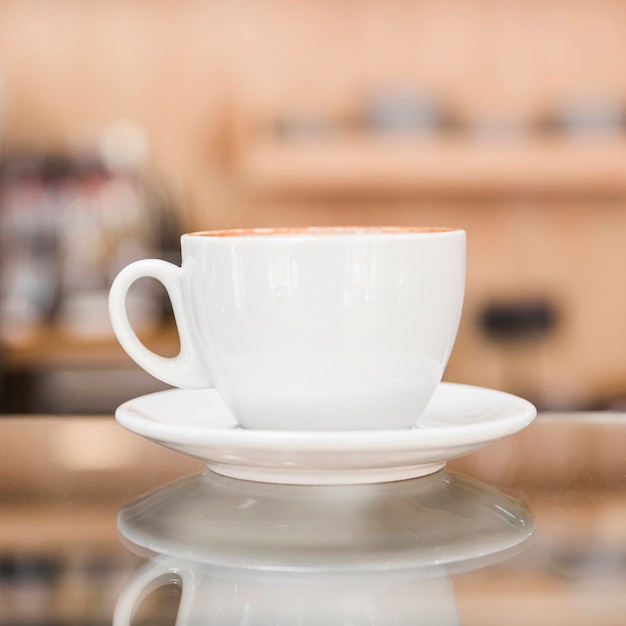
<point x="362" y="165"/>
<point x="48" y="347"/>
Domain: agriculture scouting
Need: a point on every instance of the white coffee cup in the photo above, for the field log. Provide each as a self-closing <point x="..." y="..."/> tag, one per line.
<point x="221" y="595"/>
<point x="312" y="328"/>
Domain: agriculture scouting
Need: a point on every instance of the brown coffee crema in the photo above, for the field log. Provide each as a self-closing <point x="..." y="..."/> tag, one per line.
<point x="325" y="230"/>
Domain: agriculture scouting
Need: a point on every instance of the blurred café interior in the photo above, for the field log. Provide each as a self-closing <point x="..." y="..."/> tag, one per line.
<point x="125" y="124"/>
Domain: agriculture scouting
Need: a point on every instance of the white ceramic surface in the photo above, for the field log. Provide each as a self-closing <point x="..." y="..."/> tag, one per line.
<point x="459" y="419"/>
<point x="309" y="329"/>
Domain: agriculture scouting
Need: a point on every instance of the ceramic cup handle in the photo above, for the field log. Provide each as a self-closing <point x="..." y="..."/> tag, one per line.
<point x="184" y="370"/>
<point x="149" y="578"/>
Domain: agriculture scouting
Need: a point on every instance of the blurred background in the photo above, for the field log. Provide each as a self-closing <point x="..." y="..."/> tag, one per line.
<point x="126" y="123"/>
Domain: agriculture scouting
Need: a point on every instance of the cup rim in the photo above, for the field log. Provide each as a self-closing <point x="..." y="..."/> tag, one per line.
<point x="324" y="231"/>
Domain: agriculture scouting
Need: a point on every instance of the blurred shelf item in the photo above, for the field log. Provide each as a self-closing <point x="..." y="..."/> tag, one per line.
<point x="588" y="117"/>
<point x="47" y="347"/>
<point x="357" y="165"/>
<point x="68" y="224"/>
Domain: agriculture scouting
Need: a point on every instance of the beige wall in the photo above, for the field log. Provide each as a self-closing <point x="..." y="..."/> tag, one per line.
<point x="198" y="74"/>
<point x="204" y="79"/>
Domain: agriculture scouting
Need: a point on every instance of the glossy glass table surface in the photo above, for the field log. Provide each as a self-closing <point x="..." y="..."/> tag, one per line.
<point x="97" y="522"/>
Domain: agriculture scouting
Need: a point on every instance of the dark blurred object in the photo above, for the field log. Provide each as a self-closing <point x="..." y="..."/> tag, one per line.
<point x="26" y="581"/>
<point x="63" y="588"/>
<point x="517" y="321"/>
<point x="30" y="201"/>
<point x="519" y="328"/>
<point x="587" y="118"/>
<point x="68" y="224"/>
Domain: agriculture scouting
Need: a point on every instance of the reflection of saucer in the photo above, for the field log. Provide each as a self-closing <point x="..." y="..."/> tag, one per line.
<point x="458" y="420"/>
<point x="439" y="524"/>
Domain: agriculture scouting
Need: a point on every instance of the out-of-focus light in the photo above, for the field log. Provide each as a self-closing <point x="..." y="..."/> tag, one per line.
<point x="123" y="145"/>
<point x="90" y="446"/>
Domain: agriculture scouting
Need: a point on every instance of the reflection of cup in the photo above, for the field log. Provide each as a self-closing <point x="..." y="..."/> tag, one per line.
<point x="309" y="329"/>
<point x="220" y="595"/>
<point x="358" y="554"/>
<point x="437" y="523"/>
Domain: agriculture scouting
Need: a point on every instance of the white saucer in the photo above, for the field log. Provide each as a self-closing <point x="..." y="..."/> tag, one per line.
<point x="458" y="420"/>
